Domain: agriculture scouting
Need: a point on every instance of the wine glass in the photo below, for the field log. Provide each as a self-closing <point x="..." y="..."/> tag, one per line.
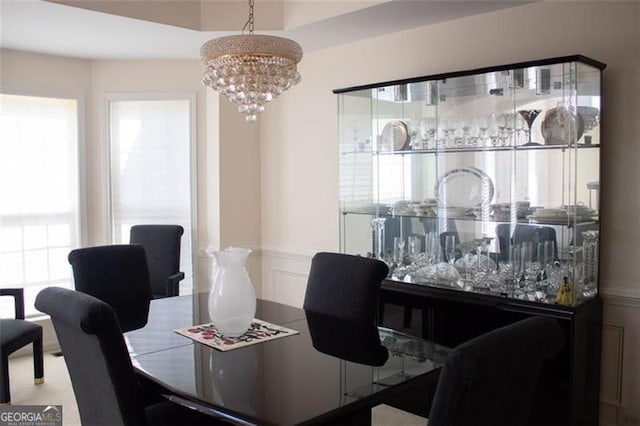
<point x="398" y="251"/>
<point x="377" y="224"/>
<point x="450" y="248"/>
<point x="414" y="248"/>
<point x="519" y="127"/>
<point x="494" y="131"/>
<point x="431" y="247"/>
<point x="502" y="123"/>
<point x="529" y="116"/>
<point x="483" y="127"/>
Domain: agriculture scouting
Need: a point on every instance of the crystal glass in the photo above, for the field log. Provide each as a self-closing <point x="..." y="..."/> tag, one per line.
<point x="377" y="226"/>
<point x="520" y="124"/>
<point x="483" y="129"/>
<point x="590" y="263"/>
<point x="398" y="250"/>
<point x="502" y="121"/>
<point x="450" y="248"/>
<point x="414" y="248"/>
<point x="529" y="116"/>
<point x="493" y="129"/>
<point x="427" y="129"/>
<point x="431" y="247"/>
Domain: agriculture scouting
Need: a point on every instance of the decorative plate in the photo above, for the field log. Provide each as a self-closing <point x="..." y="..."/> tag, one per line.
<point x="552" y="220"/>
<point x="561" y="126"/>
<point x="465" y="187"/>
<point x="395" y="135"/>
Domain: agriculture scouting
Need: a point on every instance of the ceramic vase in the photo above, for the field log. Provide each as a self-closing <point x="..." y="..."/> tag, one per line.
<point x="232" y="300"/>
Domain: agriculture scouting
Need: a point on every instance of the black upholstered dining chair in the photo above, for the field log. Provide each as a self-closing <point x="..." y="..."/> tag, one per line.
<point x="16" y="333"/>
<point x="117" y="275"/>
<point x="344" y="286"/>
<point x="99" y="365"/>
<point x="162" y="245"/>
<point x="490" y="380"/>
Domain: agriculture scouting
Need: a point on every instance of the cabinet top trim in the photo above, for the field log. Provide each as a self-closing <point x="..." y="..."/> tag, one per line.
<point x="517" y="65"/>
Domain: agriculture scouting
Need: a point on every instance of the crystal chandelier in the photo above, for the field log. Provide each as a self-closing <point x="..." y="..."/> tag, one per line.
<point x="249" y="69"/>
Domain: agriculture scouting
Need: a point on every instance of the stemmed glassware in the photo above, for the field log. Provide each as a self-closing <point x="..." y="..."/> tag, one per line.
<point x="450" y="248"/>
<point x="414" y="248"/>
<point x="530" y="265"/>
<point x="449" y="128"/>
<point x="483" y="127"/>
<point x="428" y="130"/>
<point x="398" y="251"/>
<point x="544" y="262"/>
<point x="431" y="247"/>
<point x="377" y="225"/>
<point x="519" y="127"/>
<point x="529" y="116"/>
<point x="400" y="270"/>
<point x="503" y="124"/>
<point x="493" y="128"/>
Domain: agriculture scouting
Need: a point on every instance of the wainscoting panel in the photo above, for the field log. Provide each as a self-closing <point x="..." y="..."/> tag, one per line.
<point x="611" y="366"/>
<point x="620" y="368"/>
<point x="284" y="275"/>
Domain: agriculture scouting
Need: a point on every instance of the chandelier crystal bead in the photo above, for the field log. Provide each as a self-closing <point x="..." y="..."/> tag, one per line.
<point x="251" y="70"/>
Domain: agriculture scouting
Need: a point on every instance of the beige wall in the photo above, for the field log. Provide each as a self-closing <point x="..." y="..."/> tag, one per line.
<point x="299" y="149"/>
<point x="299" y="177"/>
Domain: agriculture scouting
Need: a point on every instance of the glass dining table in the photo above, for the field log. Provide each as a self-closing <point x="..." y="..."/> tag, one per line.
<point x="330" y="372"/>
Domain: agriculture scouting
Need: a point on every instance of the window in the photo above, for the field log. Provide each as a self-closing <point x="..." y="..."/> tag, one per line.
<point x="39" y="207"/>
<point x="150" y="168"/>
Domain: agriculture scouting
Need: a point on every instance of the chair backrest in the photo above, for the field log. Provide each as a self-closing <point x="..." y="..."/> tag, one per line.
<point x="117" y="275"/>
<point x="491" y="379"/>
<point x="344" y="286"/>
<point x="522" y="233"/>
<point x="18" y="300"/>
<point x="162" y="245"/>
<point x="94" y="350"/>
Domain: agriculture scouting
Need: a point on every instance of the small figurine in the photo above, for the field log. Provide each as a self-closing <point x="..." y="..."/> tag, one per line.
<point x="565" y="292"/>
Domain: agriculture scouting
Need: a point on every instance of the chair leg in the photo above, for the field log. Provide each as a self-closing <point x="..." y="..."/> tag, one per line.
<point x="38" y="363"/>
<point x="5" y="396"/>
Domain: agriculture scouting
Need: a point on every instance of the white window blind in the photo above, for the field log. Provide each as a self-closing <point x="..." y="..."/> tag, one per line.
<point x="150" y="169"/>
<point x="39" y="208"/>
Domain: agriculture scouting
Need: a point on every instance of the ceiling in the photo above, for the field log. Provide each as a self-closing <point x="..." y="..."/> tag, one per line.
<point x="175" y="29"/>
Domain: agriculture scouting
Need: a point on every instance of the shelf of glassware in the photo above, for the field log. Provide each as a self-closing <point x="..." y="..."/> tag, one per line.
<point x="413" y="247"/>
<point x="569" y="176"/>
<point x="520" y="148"/>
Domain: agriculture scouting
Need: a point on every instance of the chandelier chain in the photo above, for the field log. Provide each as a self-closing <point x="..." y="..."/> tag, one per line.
<point x="249" y="22"/>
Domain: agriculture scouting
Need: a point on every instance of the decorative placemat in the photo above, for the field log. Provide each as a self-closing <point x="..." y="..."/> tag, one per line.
<point x="259" y="331"/>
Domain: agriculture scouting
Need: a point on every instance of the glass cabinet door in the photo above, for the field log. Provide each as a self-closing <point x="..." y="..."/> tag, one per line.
<point x="484" y="181"/>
